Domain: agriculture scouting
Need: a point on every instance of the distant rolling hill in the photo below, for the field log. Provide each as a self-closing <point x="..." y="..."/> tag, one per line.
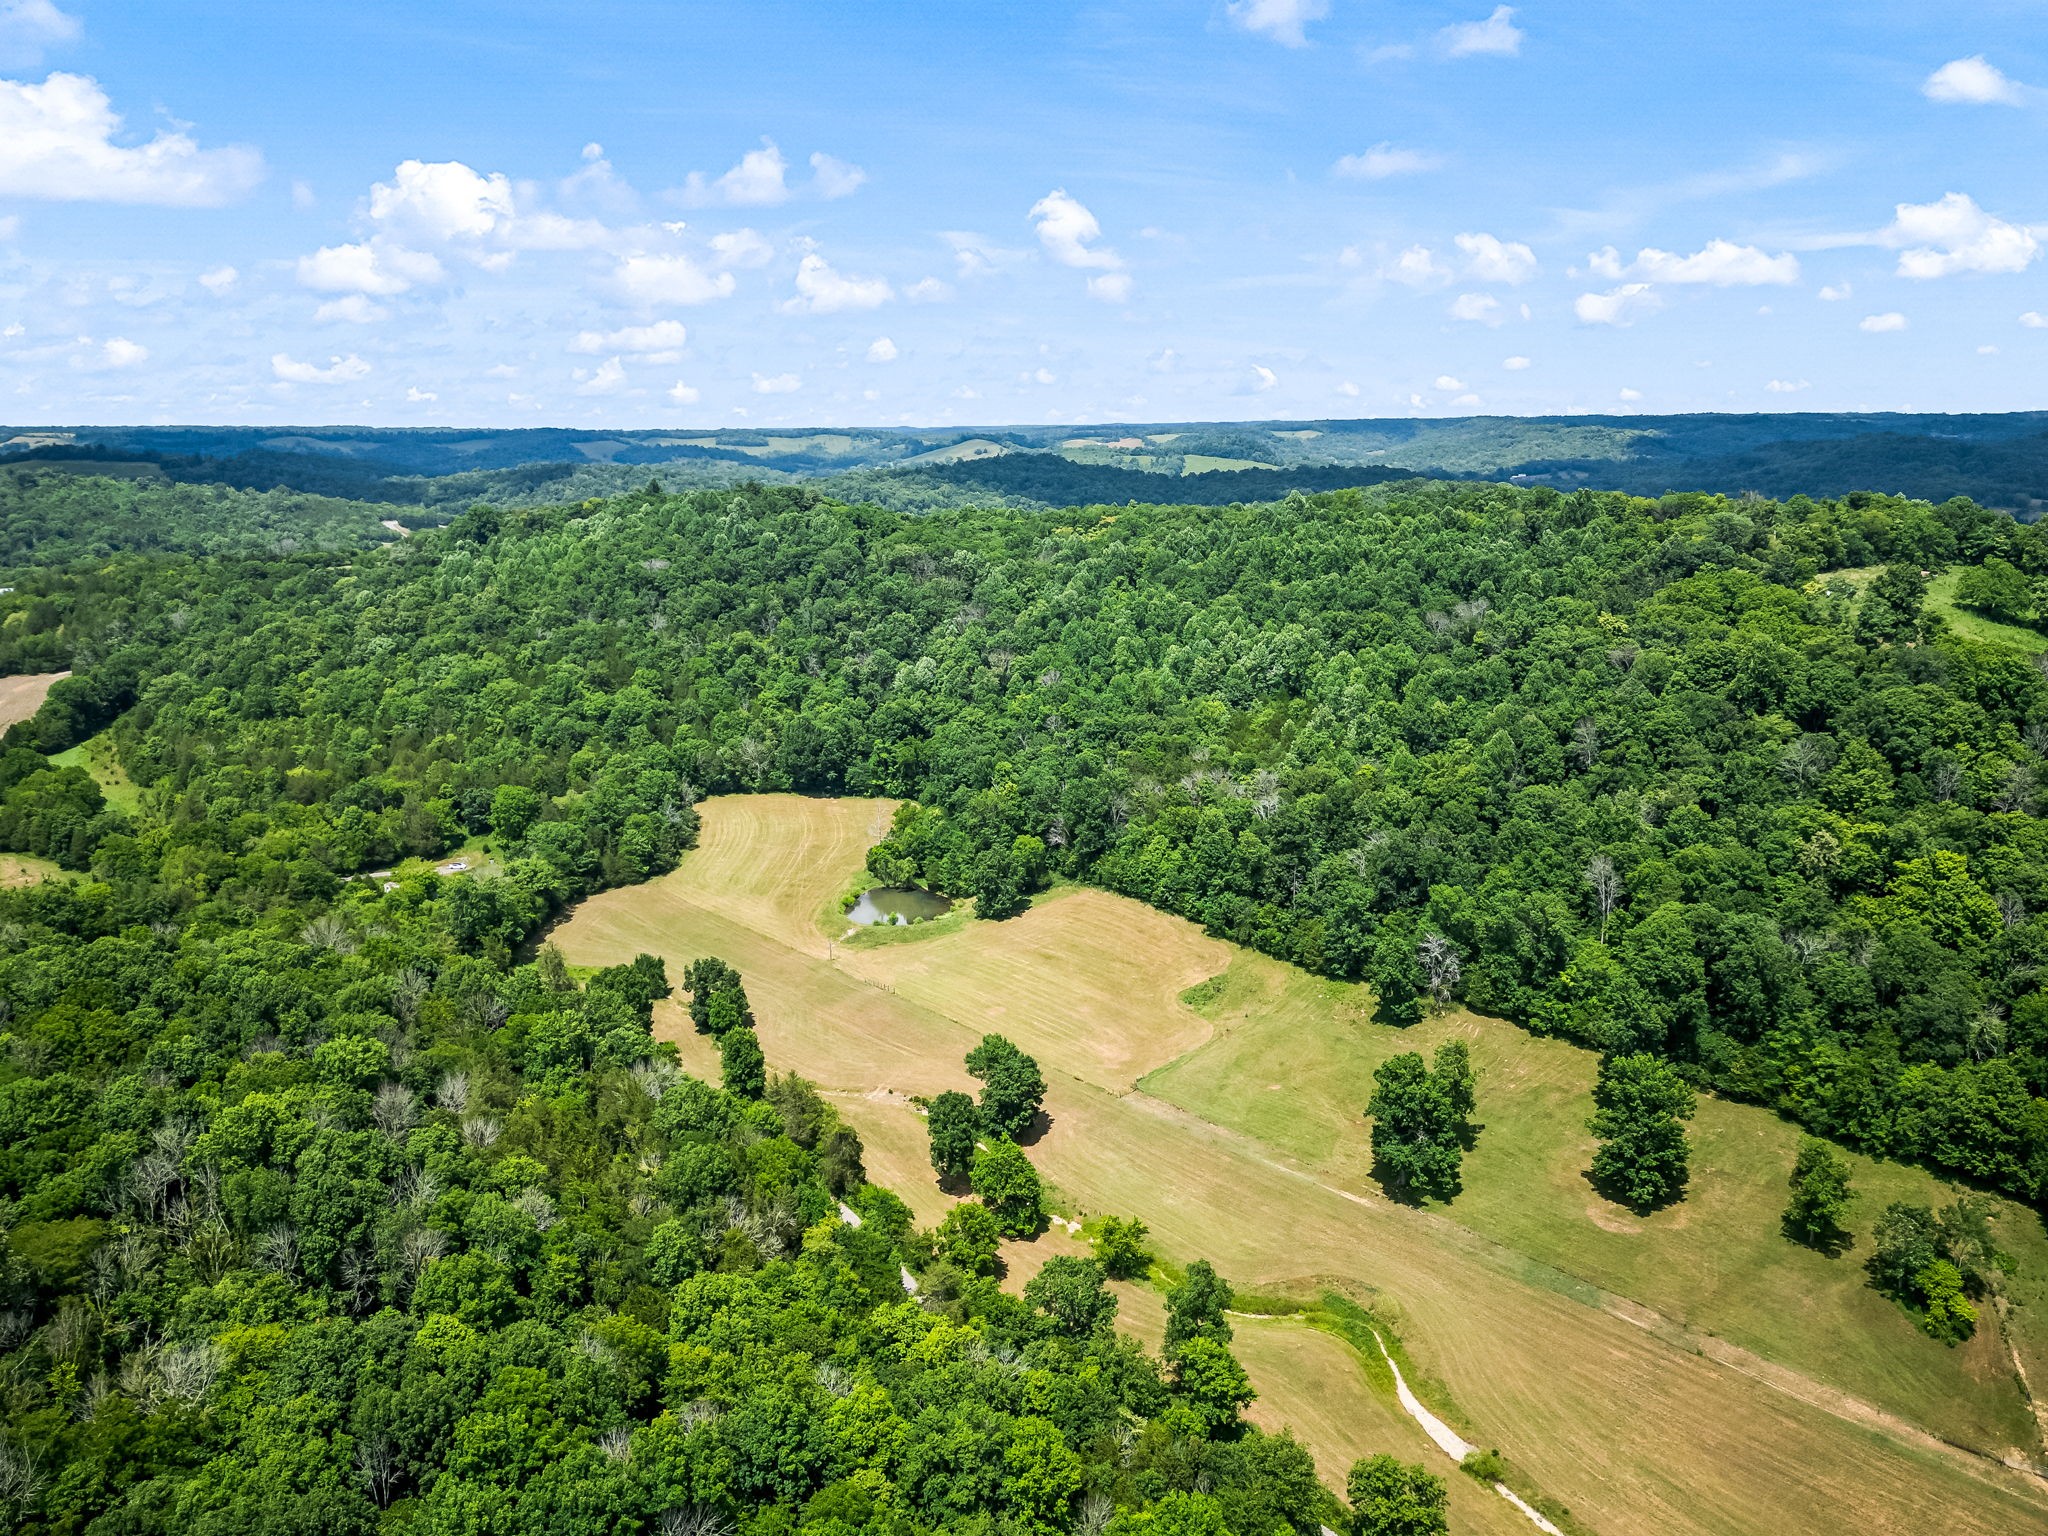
<point x="1996" y="460"/>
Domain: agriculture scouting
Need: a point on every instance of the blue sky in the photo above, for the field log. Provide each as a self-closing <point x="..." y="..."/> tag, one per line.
<point x="654" y="213"/>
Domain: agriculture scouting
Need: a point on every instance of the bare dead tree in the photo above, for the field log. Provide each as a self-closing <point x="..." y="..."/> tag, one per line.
<point x="1441" y="968"/>
<point x="1605" y="880"/>
<point x="1586" y="743"/>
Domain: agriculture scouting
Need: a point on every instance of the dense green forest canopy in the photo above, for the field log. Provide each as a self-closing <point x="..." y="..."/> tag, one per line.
<point x="332" y="1204"/>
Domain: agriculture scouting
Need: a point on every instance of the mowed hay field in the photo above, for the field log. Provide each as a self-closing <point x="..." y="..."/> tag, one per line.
<point x="22" y="696"/>
<point x="1292" y="1065"/>
<point x="1623" y="1420"/>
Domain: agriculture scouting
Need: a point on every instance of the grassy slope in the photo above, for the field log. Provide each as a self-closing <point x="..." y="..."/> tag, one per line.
<point x="96" y="756"/>
<point x="1941" y="599"/>
<point x="1630" y="1427"/>
<point x="1293" y="1063"/>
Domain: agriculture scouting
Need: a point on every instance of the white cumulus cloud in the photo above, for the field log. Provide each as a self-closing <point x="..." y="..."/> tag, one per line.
<point x="1834" y="293"/>
<point x="1620" y="306"/>
<point x="1263" y="378"/>
<point x="1492" y="260"/>
<point x="1877" y="325"/>
<point x="1281" y="20"/>
<point x="120" y="352"/>
<point x="1630" y="395"/>
<point x="1514" y="364"/>
<point x="339" y="370"/>
<point x="1448" y="382"/>
<point x="2034" y="320"/>
<point x="882" y="350"/>
<point x="219" y="280"/>
<point x="1384" y="160"/>
<point x="684" y="394"/>
<point x="1973" y="82"/>
<point x="670" y="279"/>
<point x="832" y="177"/>
<point x="445" y="201"/>
<point x="1940" y="239"/>
<point x="1481" y="307"/>
<point x="758" y="181"/>
<point x="777" y="384"/>
<point x="608" y="379"/>
<point x="1787" y="386"/>
<point x="1068" y="231"/>
<point x="822" y="290"/>
<point x="29" y="27"/>
<point x="1110" y="287"/>
<point x="1416" y="267"/>
<point x="1719" y="264"/>
<point x="1496" y="35"/>
<point x="661" y="342"/>
<point x="373" y="268"/>
<point x="57" y="143"/>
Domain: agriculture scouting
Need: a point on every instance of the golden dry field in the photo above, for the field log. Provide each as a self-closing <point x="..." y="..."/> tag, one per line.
<point x="22" y="696"/>
<point x="1677" y="1375"/>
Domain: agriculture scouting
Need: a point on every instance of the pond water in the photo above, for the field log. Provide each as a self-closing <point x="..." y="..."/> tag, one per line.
<point x="890" y="904"/>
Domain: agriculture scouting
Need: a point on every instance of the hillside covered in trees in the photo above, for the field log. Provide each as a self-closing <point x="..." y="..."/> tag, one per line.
<point x="1999" y="460"/>
<point x="331" y="1203"/>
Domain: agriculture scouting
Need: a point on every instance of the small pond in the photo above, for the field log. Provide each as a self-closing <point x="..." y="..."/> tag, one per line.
<point x="889" y="905"/>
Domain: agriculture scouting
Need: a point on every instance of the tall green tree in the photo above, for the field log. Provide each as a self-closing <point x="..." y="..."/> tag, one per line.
<point x="1640" y="1106"/>
<point x="1821" y="1197"/>
<point x="1417" y="1135"/>
<point x="1196" y="1307"/>
<point x="1008" y="1185"/>
<point x="954" y="1125"/>
<point x="1012" y="1088"/>
<point x="1390" y="1497"/>
<point x="740" y="1058"/>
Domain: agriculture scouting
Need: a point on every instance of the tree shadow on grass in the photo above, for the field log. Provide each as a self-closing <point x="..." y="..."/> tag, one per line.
<point x="1613" y="1194"/>
<point x="1831" y="1243"/>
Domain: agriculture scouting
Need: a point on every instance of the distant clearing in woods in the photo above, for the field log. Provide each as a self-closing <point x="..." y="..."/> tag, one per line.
<point x="22" y="696"/>
<point x="1245" y="1145"/>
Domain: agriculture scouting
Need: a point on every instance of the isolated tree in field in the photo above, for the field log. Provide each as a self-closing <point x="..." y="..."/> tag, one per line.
<point x="1008" y="1185"/>
<point x="1195" y="1308"/>
<point x="1417" y="1139"/>
<point x="1640" y="1106"/>
<point x="1820" y="1198"/>
<point x="740" y="1060"/>
<point x="969" y="1237"/>
<point x="1392" y="1498"/>
<point x="1120" y="1247"/>
<point x="1451" y="1070"/>
<point x="954" y="1125"/>
<point x="1071" y="1293"/>
<point x="1011" y="1086"/>
<point x="1998" y="587"/>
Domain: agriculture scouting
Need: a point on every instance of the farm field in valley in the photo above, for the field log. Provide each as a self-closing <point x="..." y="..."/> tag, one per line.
<point x="21" y="696"/>
<point x="1610" y="1408"/>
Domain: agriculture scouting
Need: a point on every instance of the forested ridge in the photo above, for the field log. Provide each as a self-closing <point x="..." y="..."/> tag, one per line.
<point x="333" y="1204"/>
<point x="328" y="1196"/>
